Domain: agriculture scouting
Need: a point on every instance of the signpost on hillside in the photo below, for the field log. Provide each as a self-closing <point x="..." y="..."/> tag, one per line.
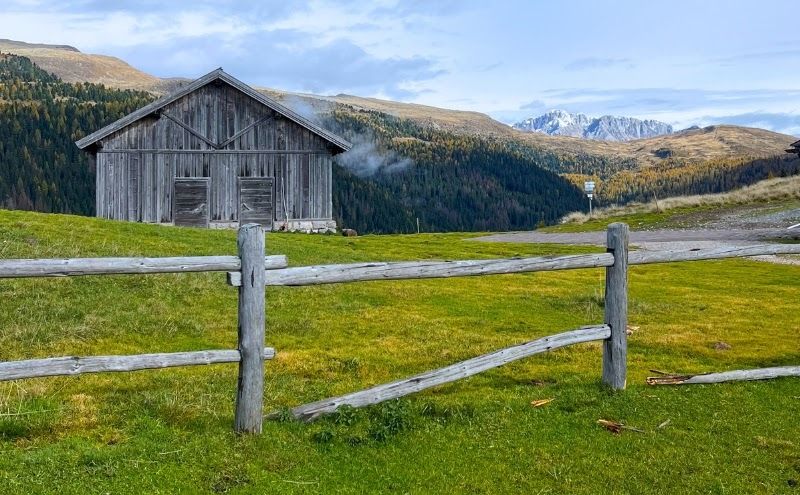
<point x="588" y="187"/>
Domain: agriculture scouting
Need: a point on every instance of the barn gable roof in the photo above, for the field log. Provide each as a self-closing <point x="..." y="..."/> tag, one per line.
<point x="215" y="75"/>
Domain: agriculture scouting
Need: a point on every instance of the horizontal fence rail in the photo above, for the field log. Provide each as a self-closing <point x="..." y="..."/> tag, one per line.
<point x="67" y="267"/>
<point x="358" y="272"/>
<point x="406" y="270"/>
<point x="718" y="253"/>
<point x="73" y="365"/>
<point x="448" y="374"/>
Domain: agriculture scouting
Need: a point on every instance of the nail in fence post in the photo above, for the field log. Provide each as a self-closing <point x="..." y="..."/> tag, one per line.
<point x="615" y="348"/>
<point x="252" y="320"/>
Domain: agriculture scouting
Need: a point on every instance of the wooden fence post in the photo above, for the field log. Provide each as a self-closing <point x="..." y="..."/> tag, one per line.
<point x="252" y="320"/>
<point x="615" y="348"/>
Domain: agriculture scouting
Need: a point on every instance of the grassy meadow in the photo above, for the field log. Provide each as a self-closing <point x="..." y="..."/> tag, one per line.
<point x="169" y="431"/>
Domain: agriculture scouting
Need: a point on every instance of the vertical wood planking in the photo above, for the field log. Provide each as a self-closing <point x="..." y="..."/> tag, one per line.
<point x="615" y="348"/>
<point x="137" y="165"/>
<point x="252" y="320"/>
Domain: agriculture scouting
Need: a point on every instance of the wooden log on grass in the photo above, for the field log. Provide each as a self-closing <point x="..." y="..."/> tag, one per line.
<point x="74" y="365"/>
<point x="252" y="320"/>
<point x="19" y="268"/>
<point x="615" y="349"/>
<point x="725" y="376"/>
<point x="448" y="374"/>
<point x="356" y="272"/>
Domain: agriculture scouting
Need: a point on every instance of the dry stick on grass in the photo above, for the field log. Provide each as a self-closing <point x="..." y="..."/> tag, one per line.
<point x="726" y="376"/>
<point x="616" y="427"/>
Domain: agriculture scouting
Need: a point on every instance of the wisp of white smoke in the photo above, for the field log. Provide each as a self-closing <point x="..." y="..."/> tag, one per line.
<point x="364" y="159"/>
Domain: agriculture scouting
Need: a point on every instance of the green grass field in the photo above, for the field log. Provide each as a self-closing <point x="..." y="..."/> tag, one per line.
<point x="169" y="431"/>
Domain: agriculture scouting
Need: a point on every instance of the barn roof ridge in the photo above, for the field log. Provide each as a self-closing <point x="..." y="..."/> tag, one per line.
<point x="216" y="74"/>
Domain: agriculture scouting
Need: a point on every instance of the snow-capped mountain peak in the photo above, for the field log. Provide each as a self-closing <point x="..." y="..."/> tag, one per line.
<point x="607" y="127"/>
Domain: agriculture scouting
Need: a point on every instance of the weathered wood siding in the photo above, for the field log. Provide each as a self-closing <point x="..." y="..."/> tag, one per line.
<point x="220" y="133"/>
<point x="256" y="200"/>
<point x="191" y="202"/>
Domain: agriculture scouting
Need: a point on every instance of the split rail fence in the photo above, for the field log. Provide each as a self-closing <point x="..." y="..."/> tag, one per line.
<point x="252" y="271"/>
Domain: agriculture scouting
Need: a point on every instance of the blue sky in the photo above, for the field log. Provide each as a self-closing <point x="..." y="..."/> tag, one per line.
<point x="683" y="62"/>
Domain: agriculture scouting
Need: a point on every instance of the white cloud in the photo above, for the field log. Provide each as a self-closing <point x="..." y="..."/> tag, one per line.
<point x="490" y="57"/>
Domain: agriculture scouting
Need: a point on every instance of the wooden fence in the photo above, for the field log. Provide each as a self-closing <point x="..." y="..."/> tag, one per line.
<point x="251" y="271"/>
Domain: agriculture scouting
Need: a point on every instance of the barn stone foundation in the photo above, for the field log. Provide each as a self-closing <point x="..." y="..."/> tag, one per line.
<point x="307" y="226"/>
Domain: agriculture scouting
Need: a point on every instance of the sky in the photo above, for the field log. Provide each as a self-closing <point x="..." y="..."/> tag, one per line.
<point x="684" y="62"/>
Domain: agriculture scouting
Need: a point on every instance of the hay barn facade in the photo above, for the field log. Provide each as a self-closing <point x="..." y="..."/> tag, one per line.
<point x="215" y="153"/>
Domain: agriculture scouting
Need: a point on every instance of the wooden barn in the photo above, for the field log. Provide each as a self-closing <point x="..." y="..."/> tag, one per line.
<point x="213" y="154"/>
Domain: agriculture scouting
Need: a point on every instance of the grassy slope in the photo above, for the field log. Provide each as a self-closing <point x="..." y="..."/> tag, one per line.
<point x="169" y="431"/>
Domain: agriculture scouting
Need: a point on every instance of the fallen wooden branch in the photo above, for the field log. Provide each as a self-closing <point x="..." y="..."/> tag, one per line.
<point x="74" y="365"/>
<point x="399" y="388"/>
<point x="616" y="426"/>
<point x="725" y="376"/>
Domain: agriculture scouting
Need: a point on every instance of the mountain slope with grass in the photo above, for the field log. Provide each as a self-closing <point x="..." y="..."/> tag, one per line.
<point x="170" y="430"/>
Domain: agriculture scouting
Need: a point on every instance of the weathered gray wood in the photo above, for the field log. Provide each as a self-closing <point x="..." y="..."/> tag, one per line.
<point x="74" y="365"/>
<point x="257" y="200"/>
<point x="615" y="348"/>
<point x="244" y="130"/>
<point x="252" y="320"/>
<point x="138" y="163"/>
<point x="448" y="374"/>
<point x="191" y="206"/>
<point x="190" y="130"/>
<point x="156" y="151"/>
<point x="646" y="257"/>
<point x="355" y="272"/>
<point x="215" y="75"/>
<point x="726" y="376"/>
<point x="21" y="268"/>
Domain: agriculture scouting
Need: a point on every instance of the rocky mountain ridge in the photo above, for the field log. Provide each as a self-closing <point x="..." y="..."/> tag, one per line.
<point x="605" y="128"/>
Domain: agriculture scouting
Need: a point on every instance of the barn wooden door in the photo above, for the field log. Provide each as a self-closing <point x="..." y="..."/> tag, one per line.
<point x="257" y="201"/>
<point x="191" y="202"/>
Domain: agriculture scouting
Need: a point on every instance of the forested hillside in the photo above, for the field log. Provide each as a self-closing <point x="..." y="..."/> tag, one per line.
<point x="40" y="118"/>
<point x="450" y="183"/>
<point x="681" y="178"/>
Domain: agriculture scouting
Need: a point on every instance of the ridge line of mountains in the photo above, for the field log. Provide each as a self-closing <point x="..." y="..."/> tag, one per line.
<point x="451" y="169"/>
<point x="605" y="128"/>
